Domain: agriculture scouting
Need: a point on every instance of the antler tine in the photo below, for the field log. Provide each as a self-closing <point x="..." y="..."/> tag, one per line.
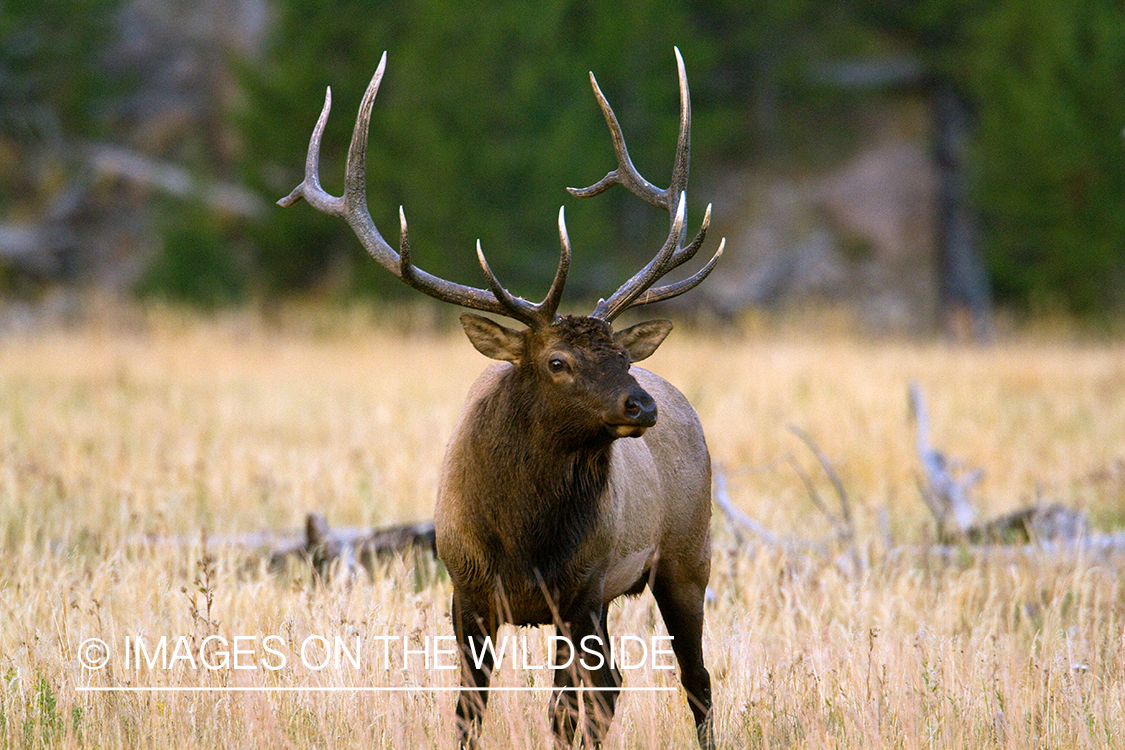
<point x="636" y="291"/>
<point x="685" y="253"/>
<point x="609" y="309"/>
<point x="677" y="259"/>
<point x="550" y="303"/>
<point x="682" y="163"/>
<point x="679" y="287"/>
<point x="515" y="307"/>
<point x="534" y="315"/>
<point x="352" y="206"/>
<point x="626" y="174"/>
<point x="310" y="189"/>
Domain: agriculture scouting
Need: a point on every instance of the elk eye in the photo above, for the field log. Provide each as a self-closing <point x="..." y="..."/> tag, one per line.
<point x="557" y="365"/>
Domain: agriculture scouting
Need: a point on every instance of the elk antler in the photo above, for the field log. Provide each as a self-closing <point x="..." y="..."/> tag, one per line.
<point x="352" y="207"/>
<point x="637" y="291"/>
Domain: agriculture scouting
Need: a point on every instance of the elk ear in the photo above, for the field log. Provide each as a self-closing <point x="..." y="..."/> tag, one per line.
<point x="492" y="339"/>
<point x="642" y="339"/>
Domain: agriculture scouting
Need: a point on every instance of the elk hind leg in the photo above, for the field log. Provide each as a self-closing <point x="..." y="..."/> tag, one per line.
<point x="681" y="606"/>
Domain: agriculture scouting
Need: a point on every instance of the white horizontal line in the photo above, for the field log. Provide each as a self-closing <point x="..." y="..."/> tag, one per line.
<point x="340" y="689"/>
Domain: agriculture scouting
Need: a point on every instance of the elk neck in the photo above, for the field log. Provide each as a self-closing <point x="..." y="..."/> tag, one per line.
<point x="535" y="484"/>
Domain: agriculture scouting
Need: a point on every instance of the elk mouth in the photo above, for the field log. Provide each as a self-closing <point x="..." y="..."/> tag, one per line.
<point x="626" y="430"/>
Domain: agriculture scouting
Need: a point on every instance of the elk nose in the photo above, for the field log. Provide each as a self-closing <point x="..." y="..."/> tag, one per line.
<point x="639" y="408"/>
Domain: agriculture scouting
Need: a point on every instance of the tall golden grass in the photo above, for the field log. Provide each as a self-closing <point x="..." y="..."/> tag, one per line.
<point x="170" y="426"/>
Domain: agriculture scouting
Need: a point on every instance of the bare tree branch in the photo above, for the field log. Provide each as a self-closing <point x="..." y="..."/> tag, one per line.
<point x="843" y="524"/>
<point x="115" y="161"/>
<point x="741" y="522"/>
<point x="946" y="495"/>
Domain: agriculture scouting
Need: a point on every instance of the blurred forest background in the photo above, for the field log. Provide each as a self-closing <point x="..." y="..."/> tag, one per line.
<point x="920" y="160"/>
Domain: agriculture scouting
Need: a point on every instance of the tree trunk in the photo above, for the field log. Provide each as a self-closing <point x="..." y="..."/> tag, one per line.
<point x="965" y="299"/>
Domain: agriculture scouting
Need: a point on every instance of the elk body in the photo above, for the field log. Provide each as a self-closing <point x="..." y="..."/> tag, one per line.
<point x="572" y="477"/>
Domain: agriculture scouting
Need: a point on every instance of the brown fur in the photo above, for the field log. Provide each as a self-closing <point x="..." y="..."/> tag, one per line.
<point x="658" y="489"/>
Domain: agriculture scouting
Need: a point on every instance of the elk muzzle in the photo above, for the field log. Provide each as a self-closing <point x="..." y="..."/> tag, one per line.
<point x="635" y="413"/>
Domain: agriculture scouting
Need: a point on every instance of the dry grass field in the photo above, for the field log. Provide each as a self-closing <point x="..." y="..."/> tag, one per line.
<point x="121" y="441"/>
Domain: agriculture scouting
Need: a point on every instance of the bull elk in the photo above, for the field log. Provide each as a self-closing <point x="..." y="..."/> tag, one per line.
<point x="544" y="514"/>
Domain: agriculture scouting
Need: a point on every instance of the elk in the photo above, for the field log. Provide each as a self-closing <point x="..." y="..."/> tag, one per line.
<point x="561" y="490"/>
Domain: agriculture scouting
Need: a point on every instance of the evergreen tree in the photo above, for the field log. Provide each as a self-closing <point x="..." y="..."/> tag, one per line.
<point x="1047" y="159"/>
<point x="1047" y="78"/>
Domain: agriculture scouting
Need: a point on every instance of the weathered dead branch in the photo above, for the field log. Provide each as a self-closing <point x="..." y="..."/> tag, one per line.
<point x="840" y="550"/>
<point x="842" y="524"/>
<point x="343" y="549"/>
<point x="1043" y="529"/>
<point x="948" y="497"/>
<point x="1052" y="530"/>
<point x="121" y="163"/>
<point x="741" y="524"/>
<point x="946" y="490"/>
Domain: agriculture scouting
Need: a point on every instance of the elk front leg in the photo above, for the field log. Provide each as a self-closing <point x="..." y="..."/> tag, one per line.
<point x="563" y="708"/>
<point x="472" y="629"/>
<point x="602" y="702"/>
<point x="582" y="657"/>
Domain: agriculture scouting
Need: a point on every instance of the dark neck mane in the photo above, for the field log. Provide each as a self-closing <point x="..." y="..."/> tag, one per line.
<point x="536" y="494"/>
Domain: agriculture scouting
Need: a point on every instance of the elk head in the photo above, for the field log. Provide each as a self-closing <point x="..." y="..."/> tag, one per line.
<point x="578" y="369"/>
<point x="580" y="356"/>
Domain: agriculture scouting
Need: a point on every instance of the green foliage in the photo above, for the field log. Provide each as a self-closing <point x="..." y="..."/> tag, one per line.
<point x="43" y="714"/>
<point x="51" y="90"/>
<point x="53" y="96"/>
<point x="1048" y="159"/>
<point x="50" y="82"/>
<point x="1047" y="78"/>
<point x="195" y="266"/>
<point x="486" y="114"/>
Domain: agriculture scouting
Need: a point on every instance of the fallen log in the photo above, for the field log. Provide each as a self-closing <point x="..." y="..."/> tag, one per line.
<point x="1096" y="549"/>
<point x="1053" y="530"/>
<point x="347" y="550"/>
